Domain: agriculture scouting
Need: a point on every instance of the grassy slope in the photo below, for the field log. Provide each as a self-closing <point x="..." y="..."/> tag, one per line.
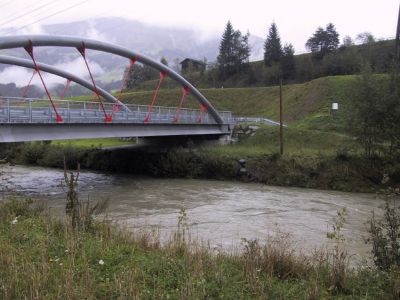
<point x="304" y="104"/>
<point x="300" y="142"/>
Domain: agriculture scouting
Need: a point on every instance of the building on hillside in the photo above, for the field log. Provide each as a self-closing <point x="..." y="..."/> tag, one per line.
<point x="192" y="65"/>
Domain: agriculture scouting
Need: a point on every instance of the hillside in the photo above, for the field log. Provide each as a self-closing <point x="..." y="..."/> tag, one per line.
<point x="305" y="105"/>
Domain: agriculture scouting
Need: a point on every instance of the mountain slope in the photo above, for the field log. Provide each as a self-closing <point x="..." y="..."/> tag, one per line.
<point x="153" y="41"/>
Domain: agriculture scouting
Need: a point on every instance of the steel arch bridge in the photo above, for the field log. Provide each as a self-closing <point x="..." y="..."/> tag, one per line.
<point x="23" y="119"/>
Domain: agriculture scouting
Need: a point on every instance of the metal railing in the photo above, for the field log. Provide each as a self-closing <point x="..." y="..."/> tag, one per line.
<point x="29" y="110"/>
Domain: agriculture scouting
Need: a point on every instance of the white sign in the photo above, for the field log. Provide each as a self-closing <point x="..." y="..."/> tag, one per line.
<point x="335" y="106"/>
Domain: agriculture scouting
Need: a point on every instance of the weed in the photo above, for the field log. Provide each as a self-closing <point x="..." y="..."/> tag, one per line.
<point x="339" y="255"/>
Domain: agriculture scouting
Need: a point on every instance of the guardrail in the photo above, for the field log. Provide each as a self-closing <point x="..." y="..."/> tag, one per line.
<point x="257" y="120"/>
<point x="29" y="110"/>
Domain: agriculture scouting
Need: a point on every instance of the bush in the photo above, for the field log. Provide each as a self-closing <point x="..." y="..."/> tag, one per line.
<point x="384" y="235"/>
<point x="32" y="152"/>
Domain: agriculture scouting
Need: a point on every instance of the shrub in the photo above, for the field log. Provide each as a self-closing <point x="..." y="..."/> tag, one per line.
<point x="384" y="235"/>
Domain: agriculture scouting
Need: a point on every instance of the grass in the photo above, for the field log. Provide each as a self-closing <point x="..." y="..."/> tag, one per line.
<point x="43" y="258"/>
<point x="297" y="142"/>
<point x="300" y="100"/>
<point x="94" y="143"/>
<point x="305" y="106"/>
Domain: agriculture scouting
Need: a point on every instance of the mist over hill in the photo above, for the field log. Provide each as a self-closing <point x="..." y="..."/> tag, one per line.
<point x="174" y="44"/>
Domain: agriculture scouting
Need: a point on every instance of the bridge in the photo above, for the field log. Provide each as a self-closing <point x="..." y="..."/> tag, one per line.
<point x="25" y="119"/>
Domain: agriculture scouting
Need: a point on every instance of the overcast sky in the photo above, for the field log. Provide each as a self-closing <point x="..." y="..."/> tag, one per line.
<point x="296" y="20"/>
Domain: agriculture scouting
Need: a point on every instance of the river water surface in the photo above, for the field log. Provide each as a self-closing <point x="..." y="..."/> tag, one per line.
<point x="219" y="212"/>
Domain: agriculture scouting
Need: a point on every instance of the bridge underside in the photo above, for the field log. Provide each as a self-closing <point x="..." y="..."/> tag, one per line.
<point x="41" y="132"/>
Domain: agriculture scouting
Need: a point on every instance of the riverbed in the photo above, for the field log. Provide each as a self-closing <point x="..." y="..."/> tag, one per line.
<point x="219" y="212"/>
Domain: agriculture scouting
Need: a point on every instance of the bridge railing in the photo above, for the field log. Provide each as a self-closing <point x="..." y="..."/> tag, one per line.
<point x="28" y="110"/>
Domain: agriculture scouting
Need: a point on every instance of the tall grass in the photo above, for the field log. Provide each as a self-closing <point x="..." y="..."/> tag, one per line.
<point x="45" y="258"/>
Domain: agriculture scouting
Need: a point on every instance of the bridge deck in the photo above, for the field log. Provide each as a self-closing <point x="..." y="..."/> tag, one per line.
<point x="34" y="119"/>
<point x="22" y="110"/>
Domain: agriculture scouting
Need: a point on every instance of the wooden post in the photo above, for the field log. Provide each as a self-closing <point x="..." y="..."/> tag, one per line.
<point x="398" y="38"/>
<point x="280" y="118"/>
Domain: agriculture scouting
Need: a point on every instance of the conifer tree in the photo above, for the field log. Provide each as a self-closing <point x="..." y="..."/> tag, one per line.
<point x="288" y="66"/>
<point x="324" y="41"/>
<point x="272" y="46"/>
<point x="234" y="52"/>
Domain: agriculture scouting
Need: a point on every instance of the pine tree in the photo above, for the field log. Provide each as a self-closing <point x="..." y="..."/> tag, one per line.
<point x="272" y="46"/>
<point x="332" y="38"/>
<point x="288" y="66"/>
<point x="324" y="41"/>
<point x="226" y="59"/>
<point x="234" y="52"/>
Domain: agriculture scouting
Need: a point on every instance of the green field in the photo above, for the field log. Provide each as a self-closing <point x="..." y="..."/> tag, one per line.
<point x="94" y="143"/>
<point x="299" y="142"/>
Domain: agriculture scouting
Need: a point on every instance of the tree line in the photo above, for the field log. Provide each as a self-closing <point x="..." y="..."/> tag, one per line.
<point x="233" y="68"/>
<point x="328" y="57"/>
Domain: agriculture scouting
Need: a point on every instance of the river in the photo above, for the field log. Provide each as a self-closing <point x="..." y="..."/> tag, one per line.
<point x="218" y="211"/>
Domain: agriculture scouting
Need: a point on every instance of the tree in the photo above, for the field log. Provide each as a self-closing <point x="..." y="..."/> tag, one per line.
<point x="323" y="41"/>
<point x="164" y="61"/>
<point x="365" y="38"/>
<point x="139" y="74"/>
<point x="348" y="41"/>
<point x="234" y="52"/>
<point x="272" y="46"/>
<point x="367" y="112"/>
<point x="288" y="66"/>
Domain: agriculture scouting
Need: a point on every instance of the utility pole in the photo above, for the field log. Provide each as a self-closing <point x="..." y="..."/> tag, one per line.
<point x="280" y="117"/>
<point x="398" y="38"/>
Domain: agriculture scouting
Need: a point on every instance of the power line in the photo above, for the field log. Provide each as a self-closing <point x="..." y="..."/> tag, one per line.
<point x="12" y="19"/>
<point x="54" y="14"/>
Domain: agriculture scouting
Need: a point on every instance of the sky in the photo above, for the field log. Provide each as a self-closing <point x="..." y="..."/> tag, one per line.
<point x="296" y="20"/>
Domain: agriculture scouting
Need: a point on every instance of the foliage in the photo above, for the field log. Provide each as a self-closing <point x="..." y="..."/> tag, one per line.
<point x="140" y="73"/>
<point x="288" y="66"/>
<point x="164" y="61"/>
<point x="272" y="46"/>
<point x="324" y="41"/>
<point x="339" y="255"/>
<point x="234" y="52"/>
<point x="384" y="234"/>
<point x="376" y="112"/>
<point x="365" y="38"/>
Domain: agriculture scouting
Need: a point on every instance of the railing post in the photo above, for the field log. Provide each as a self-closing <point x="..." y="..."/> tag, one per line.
<point x="8" y="111"/>
<point x="50" y="116"/>
<point x="68" y="113"/>
<point x="30" y="110"/>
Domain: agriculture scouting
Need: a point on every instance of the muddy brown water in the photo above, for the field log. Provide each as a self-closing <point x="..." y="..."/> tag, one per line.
<point x="219" y="212"/>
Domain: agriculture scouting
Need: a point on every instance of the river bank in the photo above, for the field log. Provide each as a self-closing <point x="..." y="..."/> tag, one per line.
<point x="42" y="257"/>
<point x="220" y="211"/>
<point x="342" y="171"/>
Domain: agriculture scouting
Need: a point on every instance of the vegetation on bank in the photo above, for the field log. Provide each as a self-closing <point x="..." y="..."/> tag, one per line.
<point x="312" y="159"/>
<point x="45" y="258"/>
<point x="95" y="143"/>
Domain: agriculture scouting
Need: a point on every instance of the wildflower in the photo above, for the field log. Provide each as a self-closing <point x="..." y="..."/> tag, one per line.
<point x="101" y="262"/>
